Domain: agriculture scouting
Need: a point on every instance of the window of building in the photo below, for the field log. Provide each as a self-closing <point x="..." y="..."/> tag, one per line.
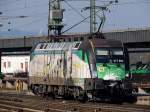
<point x="9" y="64"/>
<point x="81" y="38"/>
<point x="26" y="66"/>
<point x="69" y="39"/>
<point x="21" y="64"/>
<point x="75" y="39"/>
<point x="4" y="64"/>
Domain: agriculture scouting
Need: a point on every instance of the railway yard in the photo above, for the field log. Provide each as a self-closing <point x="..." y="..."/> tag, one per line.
<point x="61" y="71"/>
<point x="11" y="101"/>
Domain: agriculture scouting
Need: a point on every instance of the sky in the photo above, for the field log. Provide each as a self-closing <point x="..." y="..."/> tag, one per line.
<point x="123" y="15"/>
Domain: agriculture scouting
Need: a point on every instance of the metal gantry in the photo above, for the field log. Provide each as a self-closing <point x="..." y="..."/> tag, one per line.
<point x="55" y="17"/>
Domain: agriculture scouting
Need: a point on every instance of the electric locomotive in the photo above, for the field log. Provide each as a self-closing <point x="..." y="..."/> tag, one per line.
<point x="88" y="69"/>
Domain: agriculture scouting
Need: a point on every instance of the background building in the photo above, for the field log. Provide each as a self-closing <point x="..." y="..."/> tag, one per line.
<point x="15" y="65"/>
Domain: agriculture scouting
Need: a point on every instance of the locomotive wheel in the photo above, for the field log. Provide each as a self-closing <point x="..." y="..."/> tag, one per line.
<point x="55" y="93"/>
<point x="131" y="98"/>
<point x="53" y="96"/>
<point x="35" y="90"/>
<point x="68" y="95"/>
<point x="83" y="97"/>
<point x="40" y="89"/>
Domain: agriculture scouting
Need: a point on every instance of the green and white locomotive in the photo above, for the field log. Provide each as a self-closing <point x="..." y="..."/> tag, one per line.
<point x="89" y="69"/>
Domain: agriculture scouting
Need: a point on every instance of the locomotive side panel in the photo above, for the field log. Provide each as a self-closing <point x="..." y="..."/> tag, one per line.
<point x="47" y="68"/>
<point x="59" y="67"/>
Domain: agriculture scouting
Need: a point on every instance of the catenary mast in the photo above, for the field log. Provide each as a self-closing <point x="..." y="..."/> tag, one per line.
<point x="55" y="18"/>
<point x="92" y="16"/>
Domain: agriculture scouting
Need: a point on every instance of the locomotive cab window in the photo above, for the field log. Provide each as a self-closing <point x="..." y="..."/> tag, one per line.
<point x="117" y="52"/>
<point x="102" y="55"/>
<point x="106" y="55"/>
<point x="102" y="52"/>
<point x="117" y="55"/>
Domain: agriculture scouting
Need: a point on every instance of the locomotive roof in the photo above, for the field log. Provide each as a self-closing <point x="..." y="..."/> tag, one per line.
<point x="106" y="43"/>
<point x="57" y="45"/>
<point x="96" y="42"/>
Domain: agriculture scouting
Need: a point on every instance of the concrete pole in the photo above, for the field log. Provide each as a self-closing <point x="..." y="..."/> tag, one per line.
<point x="0" y="63"/>
<point x="49" y="18"/>
<point x="92" y="16"/>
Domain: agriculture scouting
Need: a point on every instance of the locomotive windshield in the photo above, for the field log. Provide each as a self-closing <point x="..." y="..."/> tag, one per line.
<point x="102" y="52"/>
<point x="106" y="55"/>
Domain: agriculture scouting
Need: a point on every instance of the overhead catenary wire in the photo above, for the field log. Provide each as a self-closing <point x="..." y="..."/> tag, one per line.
<point x="23" y="8"/>
<point x="73" y="26"/>
<point x="74" y="9"/>
<point x="31" y="22"/>
<point x="101" y="25"/>
<point x="23" y="16"/>
<point x="9" y="3"/>
<point x="133" y="3"/>
<point x="39" y="5"/>
<point x="122" y="3"/>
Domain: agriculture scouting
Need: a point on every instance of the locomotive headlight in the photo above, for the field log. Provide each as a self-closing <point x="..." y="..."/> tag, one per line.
<point x="127" y="75"/>
<point x="110" y="76"/>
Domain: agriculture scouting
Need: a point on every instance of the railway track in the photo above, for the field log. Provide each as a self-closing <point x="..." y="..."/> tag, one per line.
<point x="10" y="108"/>
<point x="26" y="103"/>
<point x="90" y="107"/>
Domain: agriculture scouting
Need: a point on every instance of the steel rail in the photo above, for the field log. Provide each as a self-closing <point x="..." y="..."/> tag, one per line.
<point x="19" y="108"/>
<point x="42" y="104"/>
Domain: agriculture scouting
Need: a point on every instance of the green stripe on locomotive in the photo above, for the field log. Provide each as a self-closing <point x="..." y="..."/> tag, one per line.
<point x="107" y="70"/>
<point x="110" y="71"/>
<point x="79" y="53"/>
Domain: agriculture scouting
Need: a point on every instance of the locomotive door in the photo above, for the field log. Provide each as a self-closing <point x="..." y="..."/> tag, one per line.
<point x="67" y="67"/>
